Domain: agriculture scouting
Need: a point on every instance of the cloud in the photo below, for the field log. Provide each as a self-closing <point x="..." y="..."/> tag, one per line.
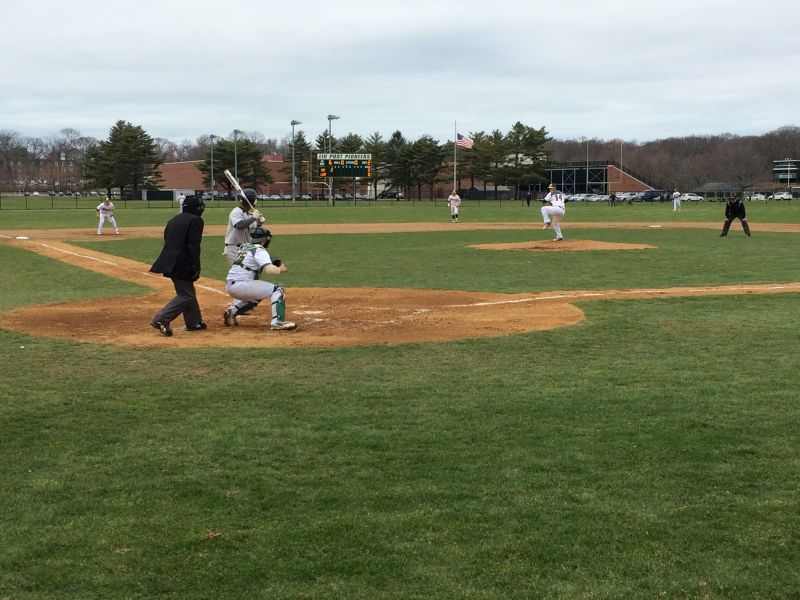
<point x="619" y="69"/>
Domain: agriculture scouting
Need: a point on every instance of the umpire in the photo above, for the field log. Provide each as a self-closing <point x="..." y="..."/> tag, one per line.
<point x="734" y="209"/>
<point x="180" y="261"/>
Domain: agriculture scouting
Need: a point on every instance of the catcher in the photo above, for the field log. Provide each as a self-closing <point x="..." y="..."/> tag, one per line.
<point x="244" y="285"/>
<point x="734" y="209"/>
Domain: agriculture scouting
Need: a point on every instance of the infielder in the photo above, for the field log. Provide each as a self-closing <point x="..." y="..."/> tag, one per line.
<point x="552" y="214"/>
<point x="244" y="285"/>
<point x="105" y="212"/>
<point x="454" y="201"/>
<point x="734" y="209"/>
<point x="241" y="221"/>
<point x="676" y="201"/>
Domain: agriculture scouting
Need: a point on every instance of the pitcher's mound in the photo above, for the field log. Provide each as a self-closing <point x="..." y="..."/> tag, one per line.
<point x="552" y="245"/>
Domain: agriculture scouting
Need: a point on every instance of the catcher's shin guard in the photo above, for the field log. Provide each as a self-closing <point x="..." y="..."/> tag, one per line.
<point x="278" y="303"/>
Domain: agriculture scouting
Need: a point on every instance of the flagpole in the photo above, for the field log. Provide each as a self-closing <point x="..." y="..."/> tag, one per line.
<point x="455" y="153"/>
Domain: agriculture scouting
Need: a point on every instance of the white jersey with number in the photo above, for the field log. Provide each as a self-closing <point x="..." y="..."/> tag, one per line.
<point x="105" y="210"/>
<point x="556" y="199"/>
<point x="249" y="262"/>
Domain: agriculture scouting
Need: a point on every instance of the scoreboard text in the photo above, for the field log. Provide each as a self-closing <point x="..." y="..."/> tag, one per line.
<point x="344" y="165"/>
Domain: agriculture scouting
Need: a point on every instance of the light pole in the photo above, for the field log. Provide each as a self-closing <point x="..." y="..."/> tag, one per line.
<point x="330" y="148"/>
<point x="294" y="180"/>
<point x="236" y="133"/>
<point x="212" y="137"/>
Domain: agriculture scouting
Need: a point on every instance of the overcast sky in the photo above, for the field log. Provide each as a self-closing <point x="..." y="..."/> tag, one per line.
<point x="636" y="70"/>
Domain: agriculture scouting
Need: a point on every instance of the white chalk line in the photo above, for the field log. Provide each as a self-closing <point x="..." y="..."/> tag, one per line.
<point x="421" y="310"/>
<point x="119" y="266"/>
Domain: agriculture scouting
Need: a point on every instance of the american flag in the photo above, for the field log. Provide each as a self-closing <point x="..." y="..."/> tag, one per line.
<point x="463" y="141"/>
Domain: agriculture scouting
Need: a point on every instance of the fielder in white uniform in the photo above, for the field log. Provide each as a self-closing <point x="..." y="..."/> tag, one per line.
<point x="454" y="201"/>
<point x="552" y="214"/>
<point x="676" y="201"/>
<point x="241" y="221"/>
<point x="105" y="212"/>
<point x="244" y="286"/>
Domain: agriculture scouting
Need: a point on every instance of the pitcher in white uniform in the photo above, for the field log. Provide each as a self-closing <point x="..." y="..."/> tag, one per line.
<point x="552" y="214"/>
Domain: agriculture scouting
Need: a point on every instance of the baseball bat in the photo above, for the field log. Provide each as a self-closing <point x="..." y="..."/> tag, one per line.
<point x="238" y="188"/>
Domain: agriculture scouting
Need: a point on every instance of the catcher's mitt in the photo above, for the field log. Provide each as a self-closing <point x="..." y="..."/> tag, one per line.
<point x="277" y="262"/>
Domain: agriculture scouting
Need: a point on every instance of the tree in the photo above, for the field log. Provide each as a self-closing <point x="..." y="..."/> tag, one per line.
<point x="12" y="154"/>
<point x="375" y="146"/>
<point x="495" y="151"/>
<point x="475" y="162"/>
<point x="245" y="159"/>
<point x="427" y="161"/>
<point x="398" y="167"/>
<point x="302" y="169"/>
<point x="526" y="161"/>
<point x="128" y="159"/>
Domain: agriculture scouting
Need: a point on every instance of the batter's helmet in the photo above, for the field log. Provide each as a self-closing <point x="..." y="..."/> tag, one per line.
<point x="251" y="196"/>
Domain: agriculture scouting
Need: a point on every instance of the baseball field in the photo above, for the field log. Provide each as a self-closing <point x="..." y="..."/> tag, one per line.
<point x="466" y="410"/>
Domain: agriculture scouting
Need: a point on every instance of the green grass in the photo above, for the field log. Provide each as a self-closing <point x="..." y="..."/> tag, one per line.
<point x="136" y="214"/>
<point x="648" y="452"/>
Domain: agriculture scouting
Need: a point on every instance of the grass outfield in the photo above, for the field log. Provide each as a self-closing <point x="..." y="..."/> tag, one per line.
<point x="135" y="215"/>
<point x="648" y="452"/>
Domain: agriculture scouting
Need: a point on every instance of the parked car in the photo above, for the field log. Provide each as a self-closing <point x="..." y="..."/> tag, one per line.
<point x="262" y="197"/>
<point x="756" y="197"/>
<point x="780" y="196"/>
<point x="690" y="197"/>
<point x="650" y="196"/>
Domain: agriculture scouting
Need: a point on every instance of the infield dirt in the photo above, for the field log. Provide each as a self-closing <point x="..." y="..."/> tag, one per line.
<point x="326" y="317"/>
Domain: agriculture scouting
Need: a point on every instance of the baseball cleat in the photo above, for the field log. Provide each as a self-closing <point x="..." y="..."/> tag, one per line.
<point x="229" y="319"/>
<point x="283" y="326"/>
<point x="546" y="225"/>
<point x="201" y="326"/>
<point x="558" y="239"/>
<point x="162" y="327"/>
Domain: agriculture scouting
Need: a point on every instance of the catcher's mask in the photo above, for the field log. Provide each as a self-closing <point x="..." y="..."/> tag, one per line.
<point x="250" y="194"/>
<point x="262" y="236"/>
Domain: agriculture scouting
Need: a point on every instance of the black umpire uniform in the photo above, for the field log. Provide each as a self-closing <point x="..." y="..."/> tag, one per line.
<point x="734" y="209"/>
<point x="180" y="261"/>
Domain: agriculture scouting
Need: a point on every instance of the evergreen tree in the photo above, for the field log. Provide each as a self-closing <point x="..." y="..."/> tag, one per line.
<point x="129" y="159"/>
<point x="245" y="159"/>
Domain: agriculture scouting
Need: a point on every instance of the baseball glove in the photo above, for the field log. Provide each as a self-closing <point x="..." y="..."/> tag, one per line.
<point x="277" y="262"/>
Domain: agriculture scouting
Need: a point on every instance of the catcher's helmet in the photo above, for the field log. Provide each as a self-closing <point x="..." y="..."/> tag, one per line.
<point x="251" y="196"/>
<point x="259" y="235"/>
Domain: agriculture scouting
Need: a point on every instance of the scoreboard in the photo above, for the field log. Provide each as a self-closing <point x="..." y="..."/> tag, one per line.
<point x="344" y="165"/>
